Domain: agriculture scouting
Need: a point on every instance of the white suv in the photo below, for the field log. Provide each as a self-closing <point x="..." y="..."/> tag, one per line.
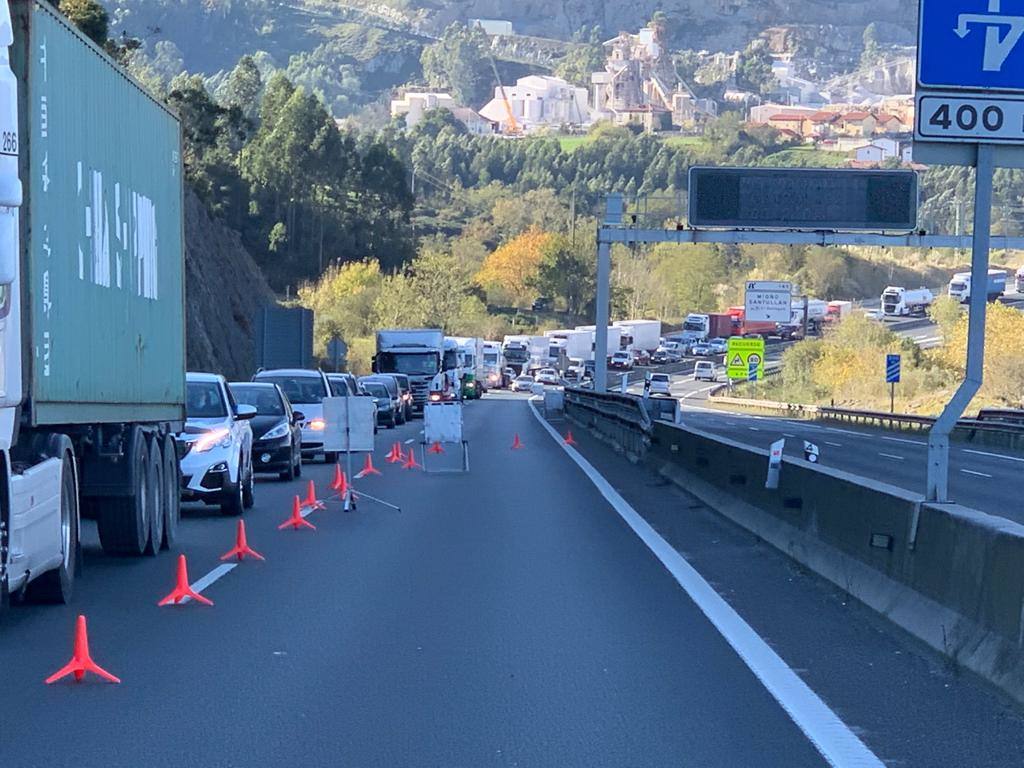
<point x="705" y="370"/>
<point x="216" y="467"/>
<point x="660" y="383"/>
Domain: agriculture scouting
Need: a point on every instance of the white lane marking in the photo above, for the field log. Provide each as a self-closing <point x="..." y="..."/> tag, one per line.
<point x="787" y="434"/>
<point x="972" y="472"/>
<point x="410" y="440"/>
<point x="849" y="432"/>
<point x="993" y="455"/>
<point x="200" y="584"/>
<point x="905" y="440"/>
<point x="830" y="736"/>
<point x="891" y="456"/>
<point x="754" y="429"/>
<point x="834" y="445"/>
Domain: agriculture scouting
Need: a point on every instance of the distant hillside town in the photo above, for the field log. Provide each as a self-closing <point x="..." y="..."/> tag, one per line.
<point x="867" y="115"/>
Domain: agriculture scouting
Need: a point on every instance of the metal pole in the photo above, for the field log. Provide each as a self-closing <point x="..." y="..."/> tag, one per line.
<point x="892" y="397"/>
<point x="604" y="268"/>
<point x="938" y="437"/>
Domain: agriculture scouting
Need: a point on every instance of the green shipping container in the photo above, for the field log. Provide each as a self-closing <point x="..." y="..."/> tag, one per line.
<point x="102" y="232"/>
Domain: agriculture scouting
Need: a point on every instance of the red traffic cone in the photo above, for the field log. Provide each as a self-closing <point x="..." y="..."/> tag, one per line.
<point x="81" y="662"/>
<point x="340" y="482"/>
<point x="516" y="442"/>
<point x="410" y="460"/>
<point x="568" y="438"/>
<point x="311" y="500"/>
<point x="296" y="521"/>
<point x="436" y="448"/>
<point x="241" y="550"/>
<point x="368" y="468"/>
<point x="395" y="454"/>
<point x="182" y="589"/>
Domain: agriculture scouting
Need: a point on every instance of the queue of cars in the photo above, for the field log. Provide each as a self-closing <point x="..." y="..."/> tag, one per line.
<point x="268" y="425"/>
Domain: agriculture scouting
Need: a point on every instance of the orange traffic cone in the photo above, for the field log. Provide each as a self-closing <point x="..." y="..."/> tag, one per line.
<point x="182" y="589"/>
<point x="241" y="550"/>
<point x="340" y="482"/>
<point x="395" y="454"/>
<point x="516" y="442"/>
<point x="410" y="460"/>
<point x="311" y="500"/>
<point x="568" y="438"/>
<point x="296" y="521"/>
<point x="368" y="468"/>
<point x="81" y="662"/>
<point x="436" y="448"/>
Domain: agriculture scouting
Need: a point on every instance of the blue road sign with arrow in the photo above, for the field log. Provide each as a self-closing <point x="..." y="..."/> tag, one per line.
<point x="892" y="369"/>
<point x="971" y="45"/>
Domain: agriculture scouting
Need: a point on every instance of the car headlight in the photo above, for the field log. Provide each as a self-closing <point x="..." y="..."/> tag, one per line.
<point x="214" y="437"/>
<point x="317" y="425"/>
<point x="279" y="431"/>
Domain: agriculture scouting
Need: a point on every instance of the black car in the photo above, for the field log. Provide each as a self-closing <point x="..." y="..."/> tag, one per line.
<point x="386" y="404"/>
<point x="277" y="437"/>
<point x="390" y="381"/>
<point x="405" y="392"/>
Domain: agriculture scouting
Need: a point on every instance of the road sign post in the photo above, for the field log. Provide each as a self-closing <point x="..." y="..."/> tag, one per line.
<point x="970" y="78"/>
<point x="892" y="376"/>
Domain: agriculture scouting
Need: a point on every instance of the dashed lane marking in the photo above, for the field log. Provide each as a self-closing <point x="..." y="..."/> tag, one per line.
<point x="202" y="583"/>
<point x="972" y="472"/>
<point x="993" y="455"/>
<point x="891" y="456"/>
<point x="833" y="738"/>
<point x="834" y="445"/>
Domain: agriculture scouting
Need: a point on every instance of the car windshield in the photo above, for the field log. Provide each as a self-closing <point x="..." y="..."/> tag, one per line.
<point x="205" y="401"/>
<point x="660" y="377"/>
<point x="376" y="389"/>
<point x="413" y="364"/>
<point x="524" y="379"/>
<point x="263" y="398"/>
<point x="299" y="389"/>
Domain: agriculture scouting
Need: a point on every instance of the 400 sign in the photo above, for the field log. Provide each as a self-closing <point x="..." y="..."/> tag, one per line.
<point x="959" y="118"/>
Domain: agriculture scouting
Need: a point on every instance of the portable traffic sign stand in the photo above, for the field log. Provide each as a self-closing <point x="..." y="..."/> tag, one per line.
<point x="442" y="426"/>
<point x="348" y="428"/>
<point x="970" y="112"/>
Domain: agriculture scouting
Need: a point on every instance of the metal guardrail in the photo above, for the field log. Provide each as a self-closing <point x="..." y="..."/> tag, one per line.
<point x="625" y="409"/>
<point x="875" y="418"/>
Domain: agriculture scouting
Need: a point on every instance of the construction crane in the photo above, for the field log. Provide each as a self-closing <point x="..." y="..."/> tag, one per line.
<point x="511" y="124"/>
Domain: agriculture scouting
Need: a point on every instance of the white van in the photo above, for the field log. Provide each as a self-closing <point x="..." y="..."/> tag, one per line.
<point x="704" y="370"/>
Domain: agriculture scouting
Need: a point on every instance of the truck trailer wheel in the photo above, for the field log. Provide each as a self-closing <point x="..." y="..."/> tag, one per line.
<point x="171" y="491"/>
<point x="123" y="521"/>
<point x="155" y="491"/>
<point x="58" y="585"/>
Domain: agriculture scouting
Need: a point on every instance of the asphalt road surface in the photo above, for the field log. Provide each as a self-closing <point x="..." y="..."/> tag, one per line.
<point x="506" y="617"/>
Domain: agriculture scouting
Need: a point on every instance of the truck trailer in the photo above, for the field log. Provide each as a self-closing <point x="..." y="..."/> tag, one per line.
<point x="92" y="327"/>
<point x="960" y="286"/>
<point x="898" y="301"/>
<point x="642" y="334"/>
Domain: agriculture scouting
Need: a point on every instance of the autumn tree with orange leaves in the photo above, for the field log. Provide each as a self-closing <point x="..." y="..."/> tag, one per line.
<point x="508" y="274"/>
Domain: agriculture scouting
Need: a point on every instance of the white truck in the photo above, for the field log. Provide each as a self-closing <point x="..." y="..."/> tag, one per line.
<point x="900" y="302"/>
<point x="641" y="334"/>
<point x="614" y="338"/>
<point x="516" y="350"/>
<point x="92" y="346"/>
<point x="471" y="361"/>
<point x="416" y="352"/>
<point x="960" y="286"/>
<point x="1019" y="280"/>
<point x="493" y="366"/>
<point x="580" y="345"/>
<point x="838" y="310"/>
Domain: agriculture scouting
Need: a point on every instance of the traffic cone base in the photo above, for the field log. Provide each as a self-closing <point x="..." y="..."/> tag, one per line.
<point x="81" y="662"/>
<point x="296" y="521"/>
<point x="568" y="438"/>
<point x="516" y="442"/>
<point x="395" y="454"/>
<point x="311" y="500"/>
<point x="241" y="550"/>
<point x="410" y="460"/>
<point x="182" y="589"/>
<point x="436" y="448"/>
<point x="368" y="468"/>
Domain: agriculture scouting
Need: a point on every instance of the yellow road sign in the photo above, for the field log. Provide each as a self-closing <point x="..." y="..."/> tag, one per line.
<point x="741" y="355"/>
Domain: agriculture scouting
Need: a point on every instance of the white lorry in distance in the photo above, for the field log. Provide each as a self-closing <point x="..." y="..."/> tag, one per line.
<point x="494" y="365"/>
<point x="900" y="302"/>
<point x="1019" y="280"/>
<point x="580" y="344"/>
<point x="642" y="334"/>
<point x="838" y="310"/>
<point x="960" y="285"/>
<point x="471" y="360"/>
<point x="516" y="352"/>
<point x="416" y="352"/>
<point x="614" y="337"/>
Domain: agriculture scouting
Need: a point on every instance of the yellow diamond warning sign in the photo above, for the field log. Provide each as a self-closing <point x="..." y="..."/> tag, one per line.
<point x="743" y="356"/>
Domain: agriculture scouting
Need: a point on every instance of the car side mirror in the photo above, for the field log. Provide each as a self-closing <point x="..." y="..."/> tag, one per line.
<point x="297" y="416"/>
<point x="244" y="412"/>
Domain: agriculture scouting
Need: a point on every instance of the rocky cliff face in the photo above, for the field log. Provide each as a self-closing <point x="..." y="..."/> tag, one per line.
<point x="223" y="291"/>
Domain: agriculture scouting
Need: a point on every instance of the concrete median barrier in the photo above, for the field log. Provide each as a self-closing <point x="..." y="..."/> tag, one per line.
<point x="951" y="576"/>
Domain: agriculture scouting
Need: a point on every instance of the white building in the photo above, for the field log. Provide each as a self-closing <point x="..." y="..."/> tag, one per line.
<point x="493" y="27"/>
<point x="414" y="105"/>
<point x="539" y="101"/>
